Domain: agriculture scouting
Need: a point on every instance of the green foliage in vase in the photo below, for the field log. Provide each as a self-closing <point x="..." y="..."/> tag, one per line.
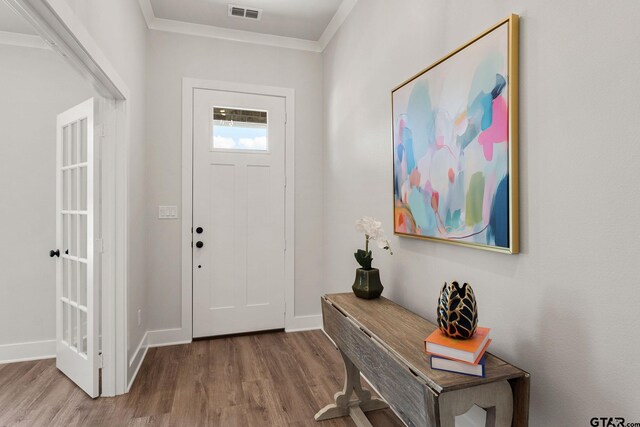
<point x="364" y="258"/>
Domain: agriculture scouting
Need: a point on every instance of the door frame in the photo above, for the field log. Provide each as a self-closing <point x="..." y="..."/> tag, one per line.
<point x="189" y="85"/>
<point x="58" y="25"/>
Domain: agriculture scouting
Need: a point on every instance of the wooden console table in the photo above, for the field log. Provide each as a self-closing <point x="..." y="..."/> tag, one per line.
<point x="385" y="342"/>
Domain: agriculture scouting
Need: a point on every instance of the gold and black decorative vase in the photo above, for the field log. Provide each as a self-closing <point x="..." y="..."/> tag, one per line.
<point x="367" y="284"/>
<point x="457" y="311"/>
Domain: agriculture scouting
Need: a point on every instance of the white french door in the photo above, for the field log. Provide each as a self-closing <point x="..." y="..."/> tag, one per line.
<point x="238" y="212"/>
<point x="76" y="297"/>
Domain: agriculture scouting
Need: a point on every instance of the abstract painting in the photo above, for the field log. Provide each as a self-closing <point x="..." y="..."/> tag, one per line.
<point x="455" y="146"/>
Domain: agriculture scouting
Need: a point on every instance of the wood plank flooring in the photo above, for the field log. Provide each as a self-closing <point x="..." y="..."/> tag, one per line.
<point x="262" y="380"/>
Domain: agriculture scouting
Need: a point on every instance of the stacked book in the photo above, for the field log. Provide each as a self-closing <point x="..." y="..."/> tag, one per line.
<point x="455" y="355"/>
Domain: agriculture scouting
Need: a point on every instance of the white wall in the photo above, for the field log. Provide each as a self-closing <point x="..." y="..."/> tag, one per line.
<point x="566" y="308"/>
<point x="172" y="57"/>
<point x="119" y="30"/>
<point x="35" y="86"/>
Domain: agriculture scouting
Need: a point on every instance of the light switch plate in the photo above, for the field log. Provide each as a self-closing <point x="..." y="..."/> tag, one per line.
<point x="167" y="212"/>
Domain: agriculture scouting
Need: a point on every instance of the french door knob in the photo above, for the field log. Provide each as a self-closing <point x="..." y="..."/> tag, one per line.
<point x="199" y="244"/>
<point x="53" y="253"/>
<point x="199" y="230"/>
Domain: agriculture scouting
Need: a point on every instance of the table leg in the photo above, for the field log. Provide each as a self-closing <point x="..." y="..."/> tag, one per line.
<point x="520" y="387"/>
<point x="344" y="406"/>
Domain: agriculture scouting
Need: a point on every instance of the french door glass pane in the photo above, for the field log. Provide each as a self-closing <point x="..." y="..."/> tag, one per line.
<point x="73" y="190"/>
<point x="66" y="271"/>
<point x="73" y="149"/>
<point x="83" y="188"/>
<point x="73" y="235"/>
<point x="66" y="146"/>
<point x="73" y="280"/>
<point x="73" y="330"/>
<point x="82" y="285"/>
<point x="66" y="224"/>
<point x="83" y="140"/>
<point x="82" y="233"/>
<point x="82" y="344"/>
<point x="65" y="321"/>
<point x="66" y="182"/>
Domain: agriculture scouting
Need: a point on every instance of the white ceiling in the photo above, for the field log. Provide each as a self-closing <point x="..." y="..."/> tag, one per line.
<point x="300" y="19"/>
<point x="11" y="22"/>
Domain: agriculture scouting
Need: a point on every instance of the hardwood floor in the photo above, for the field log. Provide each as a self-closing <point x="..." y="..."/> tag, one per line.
<point x="264" y="380"/>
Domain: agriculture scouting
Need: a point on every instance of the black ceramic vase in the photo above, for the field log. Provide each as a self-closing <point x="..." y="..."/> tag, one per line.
<point x="457" y="311"/>
<point x="367" y="284"/>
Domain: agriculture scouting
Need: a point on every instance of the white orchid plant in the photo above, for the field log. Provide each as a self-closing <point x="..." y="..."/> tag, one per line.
<point x="372" y="230"/>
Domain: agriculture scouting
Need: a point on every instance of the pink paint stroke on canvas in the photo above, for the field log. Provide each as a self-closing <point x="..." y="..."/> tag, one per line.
<point x="499" y="129"/>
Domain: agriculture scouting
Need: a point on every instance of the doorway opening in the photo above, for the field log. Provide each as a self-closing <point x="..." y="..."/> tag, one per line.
<point x="69" y="185"/>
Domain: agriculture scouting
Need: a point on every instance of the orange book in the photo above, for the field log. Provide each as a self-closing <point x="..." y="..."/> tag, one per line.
<point x="469" y="351"/>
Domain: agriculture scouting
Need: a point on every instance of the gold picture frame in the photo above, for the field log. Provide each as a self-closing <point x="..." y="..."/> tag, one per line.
<point x="454" y="156"/>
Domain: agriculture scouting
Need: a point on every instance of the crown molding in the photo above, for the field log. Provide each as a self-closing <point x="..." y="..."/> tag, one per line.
<point x="147" y="12"/>
<point x="23" y="40"/>
<point x="210" y="31"/>
<point x="336" y="22"/>
<point x="188" y="28"/>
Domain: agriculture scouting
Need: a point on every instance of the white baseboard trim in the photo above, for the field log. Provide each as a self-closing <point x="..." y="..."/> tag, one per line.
<point x="136" y="360"/>
<point x="23" y="352"/>
<point x="176" y="336"/>
<point x="165" y="337"/>
<point x="304" y="323"/>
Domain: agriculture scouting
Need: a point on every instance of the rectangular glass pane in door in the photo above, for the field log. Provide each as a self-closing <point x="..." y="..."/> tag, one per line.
<point x="82" y="206"/>
<point x="66" y="183"/>
<point x="239" y="130"/>
<point x="83" y="141"/>
<point x="66" y="146"/>
<point x="82" y="344"/>
<point x="82" y="278"/>
<point x="73" y="316"/>
<point x="82" y="237"/>
<point x="72" y="233"/>
<point x="73" y="148"/>
<point x="73" y="189"/>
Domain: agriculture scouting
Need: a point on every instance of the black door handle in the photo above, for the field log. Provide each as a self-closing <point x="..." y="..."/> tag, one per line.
<point x="199" y="244"/>
<point x="199" y="230"/>
<point x="53" y="253"/>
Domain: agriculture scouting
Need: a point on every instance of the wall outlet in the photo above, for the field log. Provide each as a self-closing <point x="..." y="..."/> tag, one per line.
<point x="139" y="316"/>
<point x="167" y="212"/>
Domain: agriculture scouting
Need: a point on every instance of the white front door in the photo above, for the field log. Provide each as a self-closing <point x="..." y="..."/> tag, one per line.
<point x="76" y="296"/>
<point x="238" y="212"/>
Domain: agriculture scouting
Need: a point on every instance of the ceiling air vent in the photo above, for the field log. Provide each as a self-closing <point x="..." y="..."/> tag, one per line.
<point x="245" y="12"/>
